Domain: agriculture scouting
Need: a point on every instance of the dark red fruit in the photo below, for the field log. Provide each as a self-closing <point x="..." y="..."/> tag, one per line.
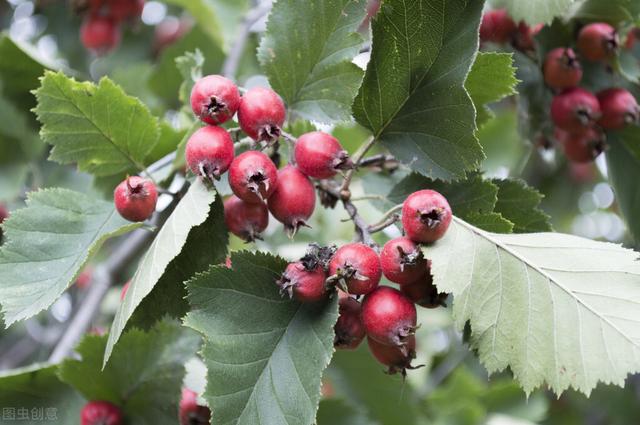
<point x="320" y="155"/>
<point x="261" y="114"/>
<point x="245" y="220"/>
<point x="209" y="152"/>
<point x="356" y="266"/>
<point x="397" y="359"/>
<point x="598" y="41"/>
<point x="424" y="293"/>
<point x="619" y="108"/>
<point x="215" y="99"/>
<point x="581" y="147"/>
<point x="388" y="316"/>
<point x="100" y="413"/>
<point x="426" y="216"/>
<point x="575" y="110"/>
<point x="402" y="261"/>
<point x="294" y="199"/>
<point x="253" y="176"/>
<point x="349" y="329"/>
<point x="191" y="413"/>
<point x="562" y="69"/>
<point x="135" y="198"/>
<point x="524" y="36"/>
<point x="497" y="27"/>
<point x="303" y="284"/>
<point x="99" y="34"/>
<point x="125" y="9"/>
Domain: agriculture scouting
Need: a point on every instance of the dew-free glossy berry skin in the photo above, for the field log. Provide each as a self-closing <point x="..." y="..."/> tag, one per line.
<point x="302" y="284"/>
<point x="135" y="198"/>
<point x="294" y="199"/>
<point x="388" y="316"/>
<point x="575" y="110"/>
<point x="215" y="99"/>
<point x="581" y="147"/>
<point x="191" y="413"/>
<point x="402" y="261"/>
<point x="245" y="220"/>
<point x="253" y="177"/>
<point x="358" y="266"/>
<point x="397" y="359"/>
<point x="426" y="216"/>
<point x="99" y="34"/>
<point x="562" y="69"/>
<point x="497" y="26"/>
<point x="100" y="413"/>
<point x="209" y="152"/>
<point x="261" y="114"/>
<point x="598" y="41"/>
<point x="619" y="108"/>
<point x="320" y="155"/>
<point x="349" y="329"/>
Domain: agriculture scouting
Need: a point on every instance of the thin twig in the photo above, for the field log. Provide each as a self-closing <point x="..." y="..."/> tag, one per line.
<point x="232" y="62"/>
<point x="344" y="189"/>
<point x="383" y="224"/>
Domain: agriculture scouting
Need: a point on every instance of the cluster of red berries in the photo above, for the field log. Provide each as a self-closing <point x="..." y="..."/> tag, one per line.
<point x="386" y="316"/>
<point x="105" y="413"/>
<point x="498" y="27"/>
<point x="100" y="31"/>
<point x="581" y="117"/>
<point x="258" y="186"/>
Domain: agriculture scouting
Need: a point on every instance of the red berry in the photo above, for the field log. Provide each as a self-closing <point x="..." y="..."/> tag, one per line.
<point x="426" y="216"/>
<point x="261" y="114"/>
<point x="402" y="261"/>
<point x="244" y="219"/>
<point x="581" y="147"/>
<point x="524" y="36"/>
<point x="294" y="199"/>
<point x="397" y="359"/>
<point x="125" y="9"/>
<point x="135" y="198"/>
<point x="320" y="155"/>
<point x="253" y="176"/>
<point x="388" y="316"/>
<point x="575" y="110"/>
<point x="100" y="413"/>
<point x="598" y="41"/>
<point x="215" y="99"/>
<point x="424" y="293"/>
<point x="209" y="152"/>
<point x="349" y="330"/>
<point x="84" y="278"/>
<point x="302" y="283"/>
<point x="562" y="69"/>
<point x="99" y="34"/>
<point x="497" y="26"/>
<point x="619" y="108"/>
<point x="357" y="266"/>
<point x="191" y="413"/>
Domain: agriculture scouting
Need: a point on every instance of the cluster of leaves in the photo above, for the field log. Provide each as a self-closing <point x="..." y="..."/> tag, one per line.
<point x="534" y="301"/>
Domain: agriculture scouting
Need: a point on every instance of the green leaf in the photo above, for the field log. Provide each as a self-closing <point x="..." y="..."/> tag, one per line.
<point x="536" y="304"/>
<point x="192" y="211"/>
<point x="190" y="67"/>
<point x="412" y="97"/>
<point x="205" y="16"/>
<point x="338" y="412"/>
<point x="165" y="80"/>
<point x="623" y="160"/>
<point x="19" y="141"/>
<point x="534" y="11"/>
<point x="264" y="353"/>
<point x="612" y="11"/>
<point x="37" y="389"/>
<point x="101" y="128"/>
<point x="47" y="244"/>
<point x="307" y="53"/>
<point x="168" y="297"/>
<point x="472" y="199"/>
<point x="492" y="78"/>
<point x="144" y="376"/>
<point x="519" y="204"/>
